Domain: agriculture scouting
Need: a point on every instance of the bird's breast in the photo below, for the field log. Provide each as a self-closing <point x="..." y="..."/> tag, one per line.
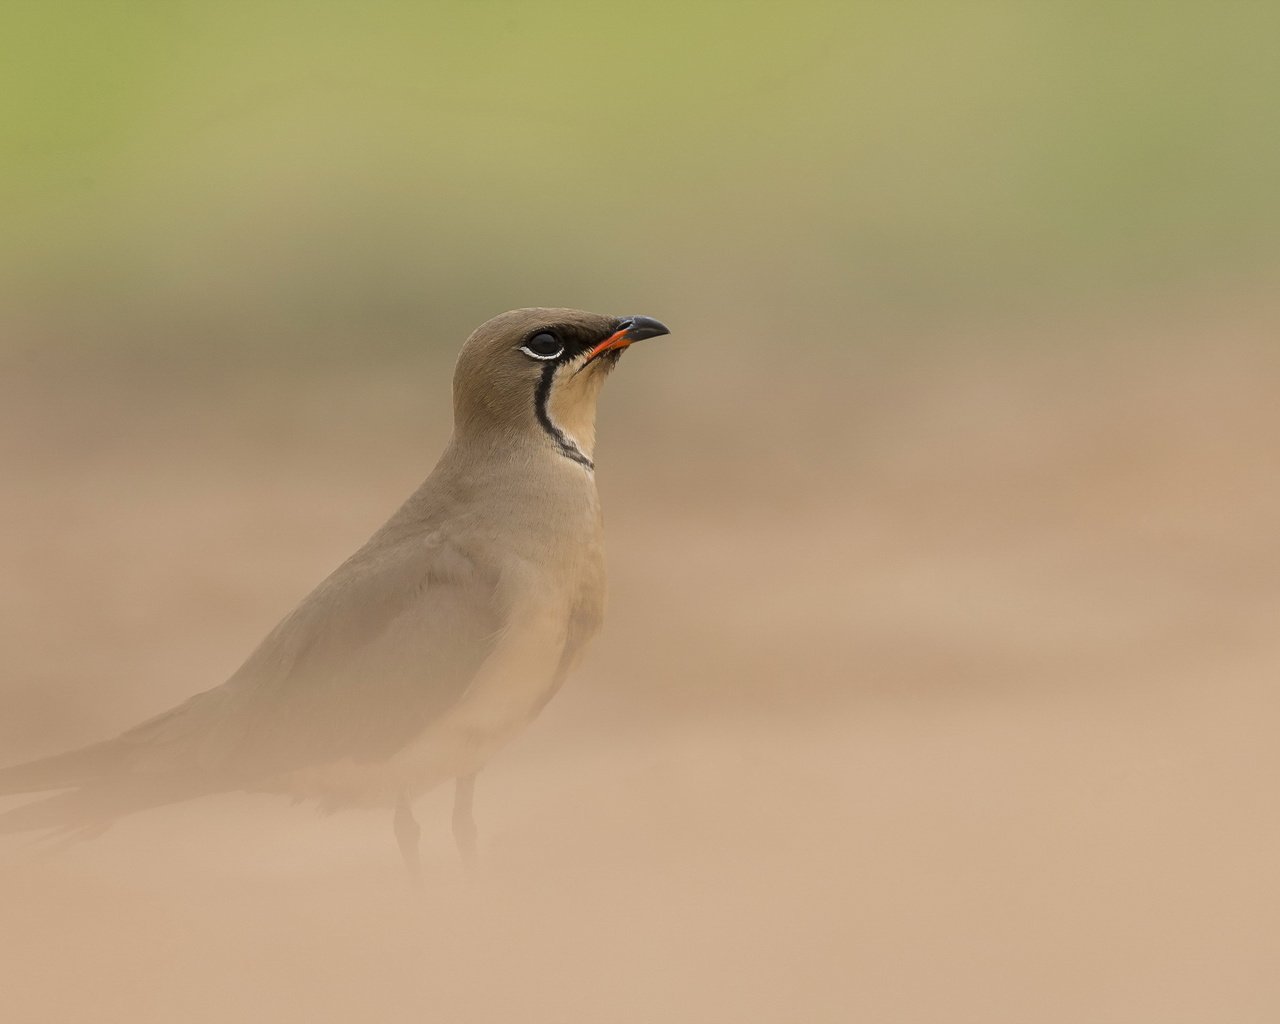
<point x="544" y="561"/>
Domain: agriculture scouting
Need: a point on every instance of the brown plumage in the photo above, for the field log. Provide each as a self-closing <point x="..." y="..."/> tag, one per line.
<point x="429" y="647"/>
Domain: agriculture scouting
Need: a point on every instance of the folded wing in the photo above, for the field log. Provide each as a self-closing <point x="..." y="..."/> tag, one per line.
<point x="365" y="664"/>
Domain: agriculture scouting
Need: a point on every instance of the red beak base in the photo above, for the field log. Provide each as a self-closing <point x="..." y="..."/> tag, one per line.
<point x="631" y="329"/>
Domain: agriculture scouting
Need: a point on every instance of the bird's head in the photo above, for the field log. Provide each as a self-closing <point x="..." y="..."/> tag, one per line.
<point x="540" y="370"/>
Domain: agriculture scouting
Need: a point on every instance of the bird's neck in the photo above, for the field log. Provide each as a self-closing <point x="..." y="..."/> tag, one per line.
<point x="544" y="500"/>
<point x="554" y="432"/>
<point x="571" y="424"/>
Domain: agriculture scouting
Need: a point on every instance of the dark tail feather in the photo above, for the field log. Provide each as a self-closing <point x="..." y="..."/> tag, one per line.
<point x="82" y="810"/>
<point x="104" y="780"/>
<point x="88" y="811"/>
<point x="65" y="812"/>
<point x="61" y="771"/>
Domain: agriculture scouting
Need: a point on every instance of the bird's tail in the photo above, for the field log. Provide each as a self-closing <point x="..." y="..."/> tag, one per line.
<point x="65" y="813"/>
<point x="107" y="780"/>
<point x="60" y="771"/>
<point x="83" y="773"/>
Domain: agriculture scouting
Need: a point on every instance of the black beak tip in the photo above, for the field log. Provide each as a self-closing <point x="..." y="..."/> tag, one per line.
<point x="638" y="328"/>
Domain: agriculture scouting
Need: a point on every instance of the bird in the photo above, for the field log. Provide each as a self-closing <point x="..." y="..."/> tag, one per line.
<point x="429" y="648"/>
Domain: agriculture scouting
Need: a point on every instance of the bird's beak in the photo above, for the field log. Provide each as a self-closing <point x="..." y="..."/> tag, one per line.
<point x="633" y="328"/>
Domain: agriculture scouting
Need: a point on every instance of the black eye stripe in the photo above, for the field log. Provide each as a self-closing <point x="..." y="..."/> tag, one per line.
<point x="565" y="446"/>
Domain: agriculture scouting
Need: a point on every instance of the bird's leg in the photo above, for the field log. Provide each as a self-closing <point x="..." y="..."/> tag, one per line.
<point x="464" y="825"/>
<point x="407" y="833"/>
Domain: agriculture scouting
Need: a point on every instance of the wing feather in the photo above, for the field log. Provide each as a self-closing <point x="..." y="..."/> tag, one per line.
<point x="364" y="664"/>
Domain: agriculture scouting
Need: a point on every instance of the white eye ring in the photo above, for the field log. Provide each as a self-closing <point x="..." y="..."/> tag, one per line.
<point x="538" y="355"/>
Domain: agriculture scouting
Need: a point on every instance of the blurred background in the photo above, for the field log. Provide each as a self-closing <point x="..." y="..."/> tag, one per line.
<point x="939" y="680"/>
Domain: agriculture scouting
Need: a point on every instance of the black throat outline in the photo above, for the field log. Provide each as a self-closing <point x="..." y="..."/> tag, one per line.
<point x="565" y="446"/>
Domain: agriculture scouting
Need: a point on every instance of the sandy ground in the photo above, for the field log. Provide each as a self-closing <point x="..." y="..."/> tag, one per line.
<point x="933" y="689"/>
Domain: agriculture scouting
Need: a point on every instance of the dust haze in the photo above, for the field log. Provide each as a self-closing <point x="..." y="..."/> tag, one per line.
<point x="934" y="686"/>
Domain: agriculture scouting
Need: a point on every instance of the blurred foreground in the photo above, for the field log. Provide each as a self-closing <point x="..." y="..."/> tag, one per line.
<point x="935" y="687"/>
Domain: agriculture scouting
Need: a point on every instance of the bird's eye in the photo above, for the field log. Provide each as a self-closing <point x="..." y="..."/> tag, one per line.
<point x="543" y="345"/>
